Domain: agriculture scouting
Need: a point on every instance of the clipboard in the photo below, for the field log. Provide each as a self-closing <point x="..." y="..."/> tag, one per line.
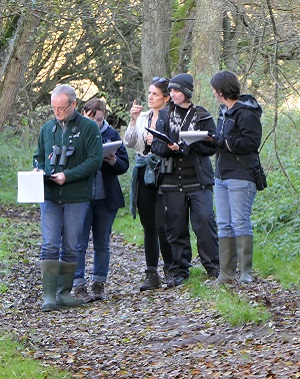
<point x="194" y="136"/>
<point x="161" y="136"/>
<point x="111" y="148"/>
<point x="30" y="187"/>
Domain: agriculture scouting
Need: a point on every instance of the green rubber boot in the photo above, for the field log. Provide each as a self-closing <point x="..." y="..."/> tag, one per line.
<point x="64" y="285"/>
<point x="50" y="270"/>
<point x="245" y="253"/>
<point x="228" y="260"/>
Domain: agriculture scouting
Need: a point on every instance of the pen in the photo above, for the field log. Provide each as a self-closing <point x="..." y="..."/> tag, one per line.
<point x="36" y="164"/>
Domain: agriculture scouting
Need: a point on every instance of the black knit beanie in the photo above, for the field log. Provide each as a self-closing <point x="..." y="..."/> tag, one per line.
<point x="183" y="83"/>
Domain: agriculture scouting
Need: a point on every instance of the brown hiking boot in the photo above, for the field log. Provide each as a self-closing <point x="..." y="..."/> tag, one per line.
<point x="81" y="292"/>
<point x="167" y="274"/>
<point x="98" y="290"/>
<point x="152" y="280"/>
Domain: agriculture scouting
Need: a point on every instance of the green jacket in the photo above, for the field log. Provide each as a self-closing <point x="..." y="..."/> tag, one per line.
<point x="82" y="134"/>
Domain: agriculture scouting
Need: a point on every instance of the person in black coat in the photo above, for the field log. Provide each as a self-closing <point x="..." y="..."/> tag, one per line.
<point x="237" y="139"/>
<point x="107" y="199"/>
<point x="186" y="181"/>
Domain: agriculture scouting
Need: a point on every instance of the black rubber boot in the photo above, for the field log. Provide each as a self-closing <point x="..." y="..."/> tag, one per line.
<point x="64" y="285"/>
<point x="50" y="271"/>
<point x="152" y="280"/>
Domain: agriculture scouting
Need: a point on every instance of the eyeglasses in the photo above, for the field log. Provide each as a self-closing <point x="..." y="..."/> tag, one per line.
<point x="61" y="109"/>
<point x="160" y="80"/>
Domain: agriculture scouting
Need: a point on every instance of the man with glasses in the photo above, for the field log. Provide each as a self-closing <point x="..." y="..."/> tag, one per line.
<point x="69" y="152"/>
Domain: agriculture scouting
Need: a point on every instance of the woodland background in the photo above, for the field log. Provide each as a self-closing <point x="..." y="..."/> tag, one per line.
<point x="112" y="49"/>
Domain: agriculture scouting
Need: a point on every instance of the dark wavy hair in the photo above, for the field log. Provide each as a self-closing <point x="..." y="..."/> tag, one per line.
<point x="226" y="84"/>
<point x="94" y="105"/>
<point x="162" y="84"/>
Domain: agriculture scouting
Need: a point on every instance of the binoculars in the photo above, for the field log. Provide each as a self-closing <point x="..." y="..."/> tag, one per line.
<point x="63" y="153"/>
<point x="260" y="178"/>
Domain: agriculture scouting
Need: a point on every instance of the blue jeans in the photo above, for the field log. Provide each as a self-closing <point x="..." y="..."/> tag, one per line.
<point x="234" y="199"/>
<point x="61" y="228"/>
<point x="100" y="218"/>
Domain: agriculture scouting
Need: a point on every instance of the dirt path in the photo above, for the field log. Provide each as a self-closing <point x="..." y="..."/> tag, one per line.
<point x="165" y="334"/>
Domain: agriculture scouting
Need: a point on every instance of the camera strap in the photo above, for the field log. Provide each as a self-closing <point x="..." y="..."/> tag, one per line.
<point x="65" y="151"/>
<point x="259" y="164"/>
<point x="188" y="118"/>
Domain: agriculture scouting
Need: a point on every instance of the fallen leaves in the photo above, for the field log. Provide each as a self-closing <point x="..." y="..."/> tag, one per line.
<point x="165" y="334"/>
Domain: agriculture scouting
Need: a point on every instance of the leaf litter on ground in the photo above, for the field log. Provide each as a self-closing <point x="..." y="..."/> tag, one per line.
<point x="164" y="334"/>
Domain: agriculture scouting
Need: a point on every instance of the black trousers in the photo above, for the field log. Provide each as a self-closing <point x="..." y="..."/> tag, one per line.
<point x="195" y="207"/>
<point x="152" y="215"/>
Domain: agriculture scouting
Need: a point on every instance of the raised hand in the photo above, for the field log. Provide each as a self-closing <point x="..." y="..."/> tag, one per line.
<point x="135" y="111"/>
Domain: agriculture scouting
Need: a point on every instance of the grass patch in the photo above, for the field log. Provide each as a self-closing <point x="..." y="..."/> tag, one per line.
<point x="16" y="364"/>
<point x="238" y="310"/>
<point x="233" y="307"/>
<point x="283" y="267"/>
<point x="13" y="158"/>
<point x="129" y="228"/>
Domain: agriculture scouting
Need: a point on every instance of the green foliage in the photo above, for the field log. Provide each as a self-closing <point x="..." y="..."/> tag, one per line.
<point x="124" y="224"/>
<point x="276" y="211"/>
<point x="17" y="363"/>
<point x="8" y="30"/>
<point x="3" y="288"/>
<point x="13" y="158"/>
<point x="180" y="12"/>
<point x="280" y="262"/>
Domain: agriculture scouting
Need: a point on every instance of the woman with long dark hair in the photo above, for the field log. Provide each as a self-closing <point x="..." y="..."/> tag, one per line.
<point x="144" y="192"/>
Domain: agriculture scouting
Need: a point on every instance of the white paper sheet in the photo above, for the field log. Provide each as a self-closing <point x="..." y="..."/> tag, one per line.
<point x="191" y="137"/>
<point x="111" y="148"/>
<point x="30" y="187"/>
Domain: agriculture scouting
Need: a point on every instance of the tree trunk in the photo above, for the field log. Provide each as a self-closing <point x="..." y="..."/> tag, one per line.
<point x="206" y="50"/>
<point x="13" y="71"/>
<point x="155" y="44"/>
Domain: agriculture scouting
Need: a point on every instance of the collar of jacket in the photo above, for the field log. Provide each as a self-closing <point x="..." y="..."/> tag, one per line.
<point x="244" y="102"/>
<point x="104" y="126"/>
<point x="72" y="118"/>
